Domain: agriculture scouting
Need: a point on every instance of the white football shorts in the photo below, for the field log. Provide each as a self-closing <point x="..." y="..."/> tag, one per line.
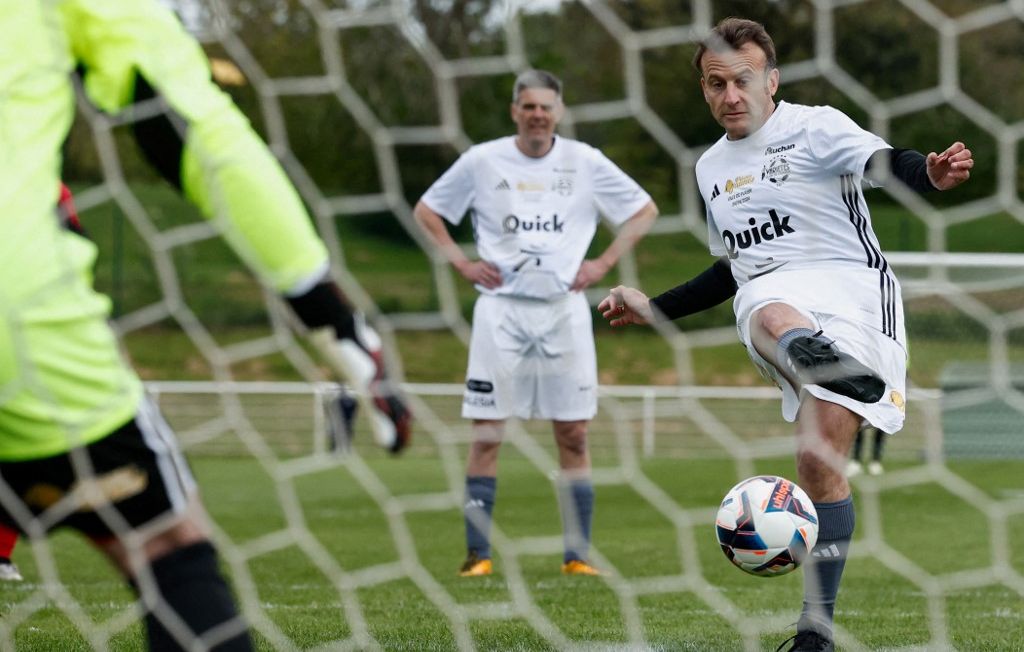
<point x="531" y="359"/>
<point x="848" y="308"/>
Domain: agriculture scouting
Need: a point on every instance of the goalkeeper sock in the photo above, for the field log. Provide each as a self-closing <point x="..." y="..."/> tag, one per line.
<point x="480" y="492"/>
<point x="324" y="306"/>
<point x="8" y="538"/>
<point x="824" y="567"/>
<point x="577" y="514"/>
<point x="190" y="584"/>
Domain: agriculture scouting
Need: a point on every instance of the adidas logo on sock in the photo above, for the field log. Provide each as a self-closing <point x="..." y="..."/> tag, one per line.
<point x="503" y="185"/>
<point x="825" y="553"/>
<point x="473" y="502"/>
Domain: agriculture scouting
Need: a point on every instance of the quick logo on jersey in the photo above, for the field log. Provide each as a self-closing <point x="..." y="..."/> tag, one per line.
<point x="775" y="227"/>
<point x="514" y="224"/>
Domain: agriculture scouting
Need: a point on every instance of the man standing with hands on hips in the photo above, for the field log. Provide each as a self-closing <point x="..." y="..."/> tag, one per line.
<point x="535" y="200"/>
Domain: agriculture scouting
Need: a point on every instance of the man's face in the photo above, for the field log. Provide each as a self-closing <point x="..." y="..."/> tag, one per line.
<point x="536" y="114"/>
<point x="738" y="88"/>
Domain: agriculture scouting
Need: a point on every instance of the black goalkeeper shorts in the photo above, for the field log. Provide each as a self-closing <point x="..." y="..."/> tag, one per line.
<point x="138" y="474"/>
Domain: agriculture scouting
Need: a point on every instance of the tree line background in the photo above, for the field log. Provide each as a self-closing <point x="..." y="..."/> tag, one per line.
<point x="880" y="43"/>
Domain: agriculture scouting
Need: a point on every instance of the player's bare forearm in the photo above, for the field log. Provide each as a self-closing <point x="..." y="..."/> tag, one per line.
<point x="432" y="225"/>
<point x="592" y="271"/>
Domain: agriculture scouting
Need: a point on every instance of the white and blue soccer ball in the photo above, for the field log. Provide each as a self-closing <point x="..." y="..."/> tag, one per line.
<point x="767" y="525"/>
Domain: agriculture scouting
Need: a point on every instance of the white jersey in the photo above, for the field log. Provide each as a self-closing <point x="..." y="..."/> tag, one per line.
<point x="534" y="218"/>
<point x="788" y="198"/>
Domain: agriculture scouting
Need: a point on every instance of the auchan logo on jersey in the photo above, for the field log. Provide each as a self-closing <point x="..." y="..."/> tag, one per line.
<point x="515" y="224"/>
<point x="774" y="227"/>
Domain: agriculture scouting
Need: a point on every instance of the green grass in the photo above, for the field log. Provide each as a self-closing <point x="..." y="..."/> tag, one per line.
<point x="935" y="530"/>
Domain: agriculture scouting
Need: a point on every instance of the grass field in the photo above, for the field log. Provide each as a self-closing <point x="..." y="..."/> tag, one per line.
<point x="372" y="548"/>
<point x="879" y="607"/>
<point x="925" y="556"/>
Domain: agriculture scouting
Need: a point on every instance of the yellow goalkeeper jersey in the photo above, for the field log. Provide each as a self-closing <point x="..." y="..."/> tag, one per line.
<point x="62" y="379"/>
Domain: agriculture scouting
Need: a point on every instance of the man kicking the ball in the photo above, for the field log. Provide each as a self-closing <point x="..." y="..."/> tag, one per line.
<point x="817" y="305"/>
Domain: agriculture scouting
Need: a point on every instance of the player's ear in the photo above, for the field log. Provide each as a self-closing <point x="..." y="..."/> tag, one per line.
<point x="773" y="81"/>
<point x="559" y="110"/>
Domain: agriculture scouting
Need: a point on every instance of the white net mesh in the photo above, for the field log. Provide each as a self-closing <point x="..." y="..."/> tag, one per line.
<point x="329" y="550"/>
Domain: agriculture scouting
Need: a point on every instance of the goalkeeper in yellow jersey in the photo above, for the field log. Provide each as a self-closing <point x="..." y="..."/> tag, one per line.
<point x="133" y="52"/>
<point x="80" y="445"/>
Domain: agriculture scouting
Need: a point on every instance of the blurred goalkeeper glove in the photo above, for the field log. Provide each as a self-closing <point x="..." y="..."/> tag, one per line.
<point x="353" y="351"/>
<point x="361" y="362"/>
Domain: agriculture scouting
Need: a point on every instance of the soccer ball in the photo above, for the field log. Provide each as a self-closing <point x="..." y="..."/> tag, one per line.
<point x="766" y="525"/>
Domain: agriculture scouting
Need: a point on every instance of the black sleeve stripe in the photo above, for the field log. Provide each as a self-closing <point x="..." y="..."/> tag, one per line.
<point x="706" y="290"/>
<point x="160" y="137"/>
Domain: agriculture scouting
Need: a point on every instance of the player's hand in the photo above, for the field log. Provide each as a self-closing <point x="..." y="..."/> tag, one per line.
<point x="591" y="271"/>
<point x="626" y="306"/>
<point x="950" y="168"/>
<point x="480" y="272"/>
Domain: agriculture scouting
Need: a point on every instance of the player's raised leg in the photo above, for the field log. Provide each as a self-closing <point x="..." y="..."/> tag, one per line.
<point x="807" y="357"/>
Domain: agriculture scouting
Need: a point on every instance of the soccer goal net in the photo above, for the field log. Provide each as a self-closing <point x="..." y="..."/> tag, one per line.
<point x="335" y="545"/>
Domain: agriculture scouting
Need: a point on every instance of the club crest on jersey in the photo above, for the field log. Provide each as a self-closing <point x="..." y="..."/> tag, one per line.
<point x="563" y="186"/>
<point x="774" y="227"/>
<point x="776" y="170"/>
<point x="515" y="224"/>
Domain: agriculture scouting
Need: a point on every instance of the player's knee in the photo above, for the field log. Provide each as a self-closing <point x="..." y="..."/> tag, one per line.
<point x="187" y="532"/>
<point x="485" y="448"/>
<point x="776" y="318"/>
<point x="488" y="432"/>
<point x="572" y="437"/>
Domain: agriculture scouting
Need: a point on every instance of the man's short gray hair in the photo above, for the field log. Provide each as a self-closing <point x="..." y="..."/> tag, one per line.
<point x="536" y="79"/>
